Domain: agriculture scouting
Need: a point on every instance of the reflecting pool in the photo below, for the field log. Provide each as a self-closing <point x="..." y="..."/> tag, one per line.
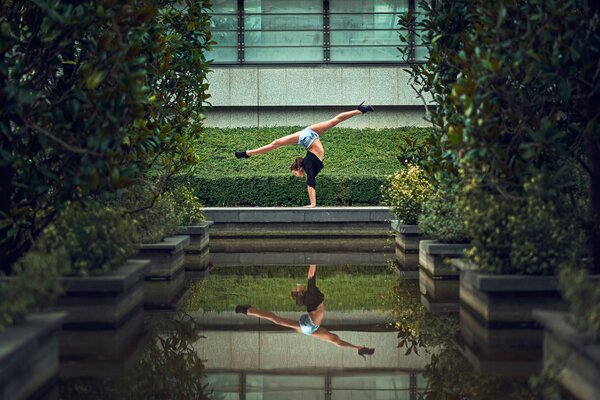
<point x="302" y="320"/>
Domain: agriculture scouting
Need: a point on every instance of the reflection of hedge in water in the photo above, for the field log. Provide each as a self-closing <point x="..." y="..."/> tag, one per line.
<point x="169" y="368"/>
<point x="450" y="376"/>
<point x="345" y="287"/>
<point x="416" y="327"/>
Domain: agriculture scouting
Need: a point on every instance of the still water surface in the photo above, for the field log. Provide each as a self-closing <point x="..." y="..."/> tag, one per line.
<point x="425" y="345"/>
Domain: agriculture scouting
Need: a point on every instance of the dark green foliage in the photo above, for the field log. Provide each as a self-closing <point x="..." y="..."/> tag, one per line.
<point x="356" y="162"/>
<point x="440" y="217"/>
<point x="34" y="284"/>
<point x="284" y="190"/>
<point x="514" y="93"/>
<point x="92" y="94"/>
<point x="188" y="207"/>
<point x="96" y="239"/>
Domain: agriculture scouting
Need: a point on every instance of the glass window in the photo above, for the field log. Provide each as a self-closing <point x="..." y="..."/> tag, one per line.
<point x="225" y="386"/>
<point x="289" y="31"/>
<point x="291" y="387"/>
<point x="283" y="31"/>
<point x="375" y="386"/>
<point x="357" y="23"/>
<point x="223" y="26"/>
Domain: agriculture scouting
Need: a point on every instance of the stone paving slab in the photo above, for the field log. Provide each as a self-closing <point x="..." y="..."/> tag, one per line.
<point x="298" y="214"/>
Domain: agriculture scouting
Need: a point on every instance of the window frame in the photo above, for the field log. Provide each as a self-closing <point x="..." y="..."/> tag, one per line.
<point x="326" y="45"/>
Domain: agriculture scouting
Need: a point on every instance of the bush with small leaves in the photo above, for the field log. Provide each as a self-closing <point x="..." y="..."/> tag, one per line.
<point x="439" y="218"/>
<point x="96" y="238"/>
<point x="405" y="192"/>
<point x="33" y="285"/>
<point x="189" y="209"/>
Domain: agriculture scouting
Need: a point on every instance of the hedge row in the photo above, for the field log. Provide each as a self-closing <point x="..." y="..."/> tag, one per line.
<point x="283" y="190"/>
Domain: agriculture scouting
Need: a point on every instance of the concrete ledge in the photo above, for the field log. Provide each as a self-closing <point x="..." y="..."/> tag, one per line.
<point x="119" y="280"/>
<point x="197" y="229"/>
<point x="434" y="247"/>
<point x="405" y="229"/>
<point x="171" y="243"/>
<point x="299" y="258"/>
<point x="297" y="214"/>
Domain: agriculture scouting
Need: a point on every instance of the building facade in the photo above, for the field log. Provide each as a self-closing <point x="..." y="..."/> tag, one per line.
<point x="295" y="62"/>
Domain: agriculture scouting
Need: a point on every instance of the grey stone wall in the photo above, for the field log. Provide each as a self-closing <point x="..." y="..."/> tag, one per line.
<point x="269" y="96"/>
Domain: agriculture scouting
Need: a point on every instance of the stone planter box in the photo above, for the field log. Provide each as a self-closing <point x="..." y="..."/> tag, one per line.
<point x="164" y="283"/>
<point x="197" y="257"/>
<point x="407" y="236"/>
<point x="106" y="301"/>
<point x="433" y="257"/>
<point x="572" y="356"/>
<point x="29" y="356"/>
<point x="438" y="280"/>
<point x="507" y="300"/>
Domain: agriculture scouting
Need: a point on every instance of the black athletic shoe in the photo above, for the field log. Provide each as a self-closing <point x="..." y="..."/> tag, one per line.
<point x="365" y="109"/>
<point x="242" y="308"/>
<point x="365" y="350"/>
<point x="241" y="154"/>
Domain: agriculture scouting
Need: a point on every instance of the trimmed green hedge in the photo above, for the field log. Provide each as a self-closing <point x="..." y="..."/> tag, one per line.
<point x="278" y="190"/>
<point x="356" y="163"/>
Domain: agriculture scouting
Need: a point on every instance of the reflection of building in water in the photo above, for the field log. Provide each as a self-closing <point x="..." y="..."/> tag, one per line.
<point x="288" y="365"/>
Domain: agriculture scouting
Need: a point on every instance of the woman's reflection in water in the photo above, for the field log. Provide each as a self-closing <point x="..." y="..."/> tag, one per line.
<point x="309" y="323"/>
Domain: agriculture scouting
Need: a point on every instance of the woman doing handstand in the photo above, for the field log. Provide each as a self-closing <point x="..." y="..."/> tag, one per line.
<point x="309" y="323"/>
<point x="309" y="138"/>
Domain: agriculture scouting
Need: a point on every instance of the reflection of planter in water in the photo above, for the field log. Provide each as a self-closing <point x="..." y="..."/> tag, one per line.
<point x="438" y="280"/>
<point x="29" y="356"/>
<point x="105" y="313"/>
<point x="164" y="285"/>
<point x="506" y="300"/>
<point x="197" y="255"/>
<point x="570" y="355"/>
<point x="407" y="245"/>
<point x="102" y="352"/>
<point x="499" y="351"/>
<point x="105" y="301"/>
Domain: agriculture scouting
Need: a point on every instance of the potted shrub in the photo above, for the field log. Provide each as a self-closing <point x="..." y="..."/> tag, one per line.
<point x="157" y="220"/>
<point x="103" y="289"/>
<point x="29" y="342"/>
<point x="517" y="248"/>
<point x="404" y="193"/>
<point x="193" y="224"/>
<point x="440" y="221"/>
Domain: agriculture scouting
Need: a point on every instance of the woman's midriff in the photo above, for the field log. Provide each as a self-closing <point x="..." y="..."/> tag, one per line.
<point x="317" y="149"/>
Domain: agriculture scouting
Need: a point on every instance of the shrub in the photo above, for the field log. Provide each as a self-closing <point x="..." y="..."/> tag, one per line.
<point x="530" y="235"/>
<point x="189" y="208"/>
<point x="440" y="217"/>
<point x="405" y="192"/>
<point x="96" y="238"/>
<point x="156" y="215"/>
<point x="33" y="284"/>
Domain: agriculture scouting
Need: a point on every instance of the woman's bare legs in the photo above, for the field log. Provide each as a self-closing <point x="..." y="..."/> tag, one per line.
<point x="269" y="316"/>
<point x="284" y="141"/>
<point x="325" y="335"/>
<point x="323" y="127"/>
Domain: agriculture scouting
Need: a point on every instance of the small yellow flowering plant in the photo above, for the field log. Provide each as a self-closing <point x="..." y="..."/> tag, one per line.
<point x="405" y="191"/>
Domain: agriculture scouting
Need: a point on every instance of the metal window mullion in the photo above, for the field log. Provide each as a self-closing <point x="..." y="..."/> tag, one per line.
<point x="411" y="33"/>
<point x="326" y="36"/>
<point x="240" y="16"/>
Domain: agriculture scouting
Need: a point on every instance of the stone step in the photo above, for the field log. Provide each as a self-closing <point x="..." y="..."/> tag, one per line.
<point x="297" y="214"/>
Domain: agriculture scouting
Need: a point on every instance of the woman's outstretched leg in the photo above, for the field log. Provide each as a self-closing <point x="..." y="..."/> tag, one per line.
<point x="323" y="127"/>
<point x="269" y="316"/>
<point x="284" y="141"/>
